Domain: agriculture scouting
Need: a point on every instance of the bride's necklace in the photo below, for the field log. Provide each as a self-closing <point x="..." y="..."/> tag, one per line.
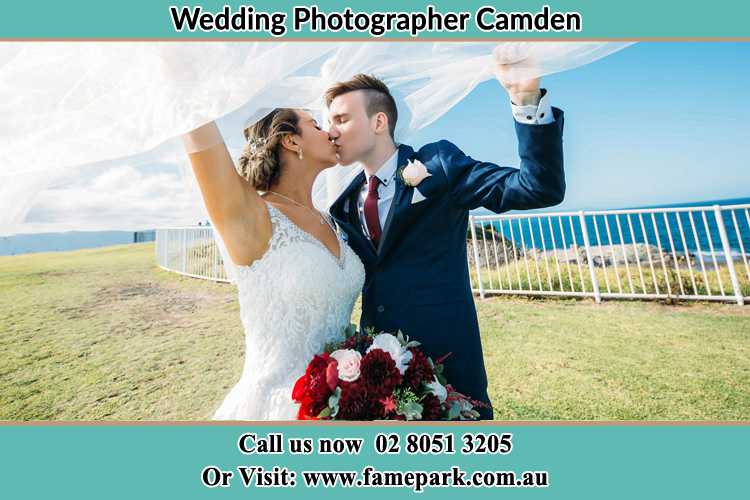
<point x="314" y="212"/>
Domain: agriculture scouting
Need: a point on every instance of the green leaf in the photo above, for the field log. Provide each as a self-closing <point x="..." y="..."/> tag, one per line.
<point x="325" y="413"/>
<point x="405" y="395"/>
<point x="400" y="337"/>
<point x="455" y="411"/>
<point x="413" y="343"/>
<point x="333" y="401"/>
<point x="411" y="410"/>
<point x="350" y="330"/>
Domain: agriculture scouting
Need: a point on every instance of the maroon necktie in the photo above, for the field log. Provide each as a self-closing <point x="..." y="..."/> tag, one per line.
<point x="371" y="210"/>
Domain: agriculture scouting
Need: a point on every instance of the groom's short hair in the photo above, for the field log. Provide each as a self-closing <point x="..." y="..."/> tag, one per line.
<point x="377" y="97"/>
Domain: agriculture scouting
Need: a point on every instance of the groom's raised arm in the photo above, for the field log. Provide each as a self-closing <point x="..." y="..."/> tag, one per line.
<point x="539" y="183"/>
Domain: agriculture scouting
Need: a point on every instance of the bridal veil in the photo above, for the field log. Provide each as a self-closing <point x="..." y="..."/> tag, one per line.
<point x="73" y="107"/>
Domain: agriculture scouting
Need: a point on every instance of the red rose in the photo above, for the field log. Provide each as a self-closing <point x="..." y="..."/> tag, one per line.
<point x="379" y="374"/>
<point x="332" y="374"/>
<point x="355" y="403"/>
<point x="300" y="387"/>
<point x="431" y="408"/>
<point x="359" y="342"/>
<point x="306" y="412"/>
<point x="319" y="391"/>
<point x="419" y="370"/>
<point x="352" y="403"/>
<point x="319" y="363"/>
<point x="351" y="342"/>
<point x="311" y="390"/>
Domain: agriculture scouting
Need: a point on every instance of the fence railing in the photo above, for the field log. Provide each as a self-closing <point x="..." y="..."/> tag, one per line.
<point x="191" y="251"/>
<point x="685" y="253"/>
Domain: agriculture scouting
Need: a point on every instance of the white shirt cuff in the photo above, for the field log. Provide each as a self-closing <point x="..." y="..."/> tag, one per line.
<point x="541" y="114"/>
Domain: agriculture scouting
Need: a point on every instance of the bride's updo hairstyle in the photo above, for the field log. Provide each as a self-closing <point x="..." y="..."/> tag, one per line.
<point x="260" y="161"/>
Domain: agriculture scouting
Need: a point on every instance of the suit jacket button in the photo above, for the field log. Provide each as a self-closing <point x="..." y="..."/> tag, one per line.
<point x="381" y="309"/>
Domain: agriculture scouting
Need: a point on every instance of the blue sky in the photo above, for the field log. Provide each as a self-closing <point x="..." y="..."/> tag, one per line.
<point x="656" y="123"/>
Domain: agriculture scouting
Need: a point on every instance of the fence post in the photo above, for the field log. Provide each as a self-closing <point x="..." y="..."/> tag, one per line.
<point x="592" y="271"/>
<point x="727" y="255"/>
<point x="214" y="256"/>
<point x="476" y="256"/>
<point x="184" y="250"/>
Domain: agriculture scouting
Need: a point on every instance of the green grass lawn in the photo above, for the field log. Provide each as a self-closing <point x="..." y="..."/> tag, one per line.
<point x="104" y="334"/>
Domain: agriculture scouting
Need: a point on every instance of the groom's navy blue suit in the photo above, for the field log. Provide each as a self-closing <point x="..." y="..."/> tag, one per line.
<point x="418" y="278"/>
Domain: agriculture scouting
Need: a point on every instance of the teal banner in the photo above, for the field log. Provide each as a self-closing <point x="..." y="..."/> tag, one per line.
<point x="374" y="19"/>
<point x="581" y="461"/>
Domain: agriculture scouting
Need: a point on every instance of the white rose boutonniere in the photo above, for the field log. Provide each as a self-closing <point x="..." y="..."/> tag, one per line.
<point x="413" y="173"/>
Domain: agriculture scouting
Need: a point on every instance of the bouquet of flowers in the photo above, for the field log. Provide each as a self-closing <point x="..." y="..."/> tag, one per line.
<point x="378" y="377"/>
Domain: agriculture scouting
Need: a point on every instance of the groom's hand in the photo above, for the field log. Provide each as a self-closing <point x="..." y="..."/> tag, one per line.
<point x="522" y="93"/>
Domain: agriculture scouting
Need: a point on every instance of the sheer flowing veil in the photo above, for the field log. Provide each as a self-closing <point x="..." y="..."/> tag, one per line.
<point x="69" y="107"/>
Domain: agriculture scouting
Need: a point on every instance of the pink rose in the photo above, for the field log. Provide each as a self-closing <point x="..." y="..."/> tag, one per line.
<point x="348" y="364"/>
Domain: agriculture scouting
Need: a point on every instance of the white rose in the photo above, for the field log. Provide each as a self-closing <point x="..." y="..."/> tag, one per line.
<point x="415" y="172"/>
<point x="438" y="390"/>
<point x="348" y="364"/>
<point x="392" y="346"/>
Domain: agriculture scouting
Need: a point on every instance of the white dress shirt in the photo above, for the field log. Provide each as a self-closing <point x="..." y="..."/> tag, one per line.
<point x="386" y="189"/>
<point x="540" y="114"/>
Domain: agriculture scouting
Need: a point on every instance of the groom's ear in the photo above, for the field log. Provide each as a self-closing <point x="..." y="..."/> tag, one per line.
<point x="380" y="123"/>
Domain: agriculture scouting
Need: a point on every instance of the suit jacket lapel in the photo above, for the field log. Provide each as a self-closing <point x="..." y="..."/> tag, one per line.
<point x="337" y="209"/>
<point x="400" y="200"/>
<point x="349" y="219"/>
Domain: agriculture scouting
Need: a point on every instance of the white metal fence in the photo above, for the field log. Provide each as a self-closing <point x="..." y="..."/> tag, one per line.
<point x="690" y="253"/>
<point x="191" y="251"/>
<point x="686" y="253"/>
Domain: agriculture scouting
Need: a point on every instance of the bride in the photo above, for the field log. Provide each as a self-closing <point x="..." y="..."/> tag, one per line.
<point x="297" y="279"/>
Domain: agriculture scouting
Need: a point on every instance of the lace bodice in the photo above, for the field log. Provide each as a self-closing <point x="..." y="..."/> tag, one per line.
<point x="293" y="300"/>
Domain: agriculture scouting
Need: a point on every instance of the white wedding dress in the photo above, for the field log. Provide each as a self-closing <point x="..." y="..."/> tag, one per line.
<point x="293" y="300"/>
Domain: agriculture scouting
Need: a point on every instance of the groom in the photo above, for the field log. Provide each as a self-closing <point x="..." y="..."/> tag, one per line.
<point x="409" y="225"/>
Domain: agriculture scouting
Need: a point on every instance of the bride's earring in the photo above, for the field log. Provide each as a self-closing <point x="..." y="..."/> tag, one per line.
<point x="299" y="153"/>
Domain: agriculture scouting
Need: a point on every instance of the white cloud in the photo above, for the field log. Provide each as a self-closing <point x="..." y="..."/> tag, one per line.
<point x="117" y="197"/>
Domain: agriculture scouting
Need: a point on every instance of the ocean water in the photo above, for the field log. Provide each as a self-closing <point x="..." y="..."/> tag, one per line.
<point x="700" y="235"/>
<point x="696" y="232"/>
<point x="72" y="240"/>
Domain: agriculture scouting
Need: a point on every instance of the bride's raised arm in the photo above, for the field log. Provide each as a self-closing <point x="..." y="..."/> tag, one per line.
<point x="236" y="209"/>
